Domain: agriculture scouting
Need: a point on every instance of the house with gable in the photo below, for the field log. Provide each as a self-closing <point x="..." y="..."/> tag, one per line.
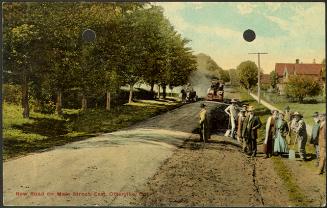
<point x="286" y="70"/>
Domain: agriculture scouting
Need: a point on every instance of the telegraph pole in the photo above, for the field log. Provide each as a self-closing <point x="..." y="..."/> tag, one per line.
<point x="259" y="53"/>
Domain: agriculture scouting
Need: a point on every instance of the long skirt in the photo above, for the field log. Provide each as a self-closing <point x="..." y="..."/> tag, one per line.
<point x="268" y="148"/>
<point x="280" y="144"/>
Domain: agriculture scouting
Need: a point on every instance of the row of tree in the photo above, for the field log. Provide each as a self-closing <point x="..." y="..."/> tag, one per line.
<point x="45" y="53"/>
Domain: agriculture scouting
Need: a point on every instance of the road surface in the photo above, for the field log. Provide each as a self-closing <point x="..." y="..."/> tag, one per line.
<point x="101" y="170"/>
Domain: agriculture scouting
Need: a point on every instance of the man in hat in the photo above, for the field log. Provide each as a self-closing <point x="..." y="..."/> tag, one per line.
<point x="270" y="134"/>
<point x="249" y="131"/>
<point x="204" y="133"/>
<point x="315" y="135"/>
<point x="322" y="143"/>
<point x="301" y="134"/>
<point x="232" y="111"/>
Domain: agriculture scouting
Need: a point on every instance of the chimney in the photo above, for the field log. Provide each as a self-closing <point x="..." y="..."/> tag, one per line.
<point x="297" y="61"/>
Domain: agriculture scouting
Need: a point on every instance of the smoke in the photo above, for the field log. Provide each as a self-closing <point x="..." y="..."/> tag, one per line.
<point x="201" y="81"/>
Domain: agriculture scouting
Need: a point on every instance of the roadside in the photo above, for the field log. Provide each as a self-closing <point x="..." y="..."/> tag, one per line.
<point x="45" y="131"/>
<point x="305" y="187"/>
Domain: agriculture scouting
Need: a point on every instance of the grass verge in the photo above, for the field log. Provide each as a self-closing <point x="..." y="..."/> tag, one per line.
<point x="294" y="192"/>
<point x="43" y="131"/>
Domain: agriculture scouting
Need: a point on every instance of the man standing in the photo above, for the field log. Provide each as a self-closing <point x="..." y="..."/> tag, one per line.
<point x="249" y="131"/>
<point x="315" y="135"/>
<point x="322" y="143"/>
<point x="270" y="134"/>
<point x="204" y="133"/>
<point x="301" y="135"/>
<point x="240" y="121"/>
<point x="231" y="110"/>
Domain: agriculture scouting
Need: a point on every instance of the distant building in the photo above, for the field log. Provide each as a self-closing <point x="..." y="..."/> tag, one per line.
<point x="286" y="70"/>
<point x="265" y="81"/>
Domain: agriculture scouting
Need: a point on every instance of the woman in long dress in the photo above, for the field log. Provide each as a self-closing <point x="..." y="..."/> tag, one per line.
<point x="280" y="143"/>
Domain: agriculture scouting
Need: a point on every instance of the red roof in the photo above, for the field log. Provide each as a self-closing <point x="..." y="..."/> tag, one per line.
<point x="299" y="69"/>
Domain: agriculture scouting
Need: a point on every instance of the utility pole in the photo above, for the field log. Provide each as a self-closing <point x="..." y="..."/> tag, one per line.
<point x="258" y="74"/>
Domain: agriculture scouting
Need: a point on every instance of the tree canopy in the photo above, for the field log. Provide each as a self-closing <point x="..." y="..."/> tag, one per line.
<point x="134" y="43"/>
<point x="248" y="74"/>
<point x="300" y="87"/>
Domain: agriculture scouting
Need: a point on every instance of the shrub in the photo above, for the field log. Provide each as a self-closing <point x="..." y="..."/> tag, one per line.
<point x="300" y="87"/>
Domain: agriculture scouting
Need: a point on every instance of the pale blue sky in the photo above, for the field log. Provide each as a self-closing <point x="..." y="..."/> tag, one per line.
<point x="286" y="31"/>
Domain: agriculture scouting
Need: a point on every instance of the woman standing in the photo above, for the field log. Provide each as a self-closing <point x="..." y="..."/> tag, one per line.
<point x="280" y="144"/>
<point x="270" y="134"/>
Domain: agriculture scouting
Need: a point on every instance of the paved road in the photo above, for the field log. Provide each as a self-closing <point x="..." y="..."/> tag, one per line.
<point x="106" y="170"/>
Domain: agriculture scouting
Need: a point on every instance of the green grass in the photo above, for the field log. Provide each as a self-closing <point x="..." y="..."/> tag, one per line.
<point x="306" y="109"/>
<point x="43" y="131"/>
<point x="295" y="194"/>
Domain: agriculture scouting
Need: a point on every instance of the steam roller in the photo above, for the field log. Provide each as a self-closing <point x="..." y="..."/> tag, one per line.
<point x="216" y="91"/>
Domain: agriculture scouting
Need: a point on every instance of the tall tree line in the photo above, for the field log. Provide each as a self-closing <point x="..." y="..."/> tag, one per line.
<point x="45" y="54"/>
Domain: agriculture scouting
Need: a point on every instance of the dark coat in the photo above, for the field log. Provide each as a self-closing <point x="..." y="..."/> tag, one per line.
<point x="249" y="128"/>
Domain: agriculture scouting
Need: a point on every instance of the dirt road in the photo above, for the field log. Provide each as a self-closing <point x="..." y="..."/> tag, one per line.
<point x="109" y="169"/>
<point x="217" y="175"/>
<point x="155" y="162"/>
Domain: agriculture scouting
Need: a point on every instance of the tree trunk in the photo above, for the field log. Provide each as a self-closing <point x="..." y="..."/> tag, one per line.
<point x="108" y="101"/>
<point x="59" y="103"/>
<point x="152" y="86"/>
<point x="25" y="104"/>
<point x="164" y="91"/>
<point x="158" y="91"/>
<point x="84" y="103"/>
<point x="130" y="99"/>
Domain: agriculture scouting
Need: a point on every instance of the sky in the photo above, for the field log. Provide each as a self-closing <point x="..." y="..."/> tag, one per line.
<point x="286" y="31"/>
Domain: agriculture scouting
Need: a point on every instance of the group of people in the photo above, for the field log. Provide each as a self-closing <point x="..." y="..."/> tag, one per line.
<point x="283" y="128"/>
<point x="244" y="126"/>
